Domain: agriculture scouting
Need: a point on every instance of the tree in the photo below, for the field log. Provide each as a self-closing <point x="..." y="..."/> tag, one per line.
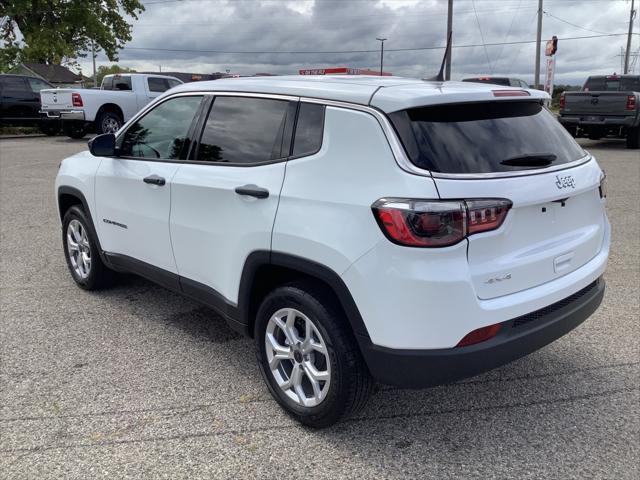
<point x="102" y="71"/>
<point x="47" y="31"/>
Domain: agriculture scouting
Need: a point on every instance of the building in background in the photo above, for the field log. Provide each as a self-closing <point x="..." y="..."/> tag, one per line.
<point x="57" y="75"/>
<point x="341" y="71"/>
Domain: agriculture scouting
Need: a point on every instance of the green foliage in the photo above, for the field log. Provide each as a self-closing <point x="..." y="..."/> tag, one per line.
<point x="558" y="89"/>
<point x="102" y="71"/>
<point x="47" y="31"/>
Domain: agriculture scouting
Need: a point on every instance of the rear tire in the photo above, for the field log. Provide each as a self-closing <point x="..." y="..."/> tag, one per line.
<point x="108" y="122"/>
<point x="327" y="349"/>
<point x="49" y="128"/>
<point x="74" y="130"/>
<point x="633" y="137"/>
<point x="82" y="252"/>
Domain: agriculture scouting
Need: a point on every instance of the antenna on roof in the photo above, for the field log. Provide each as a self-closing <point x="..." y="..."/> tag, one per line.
<point x="440" y="76"/>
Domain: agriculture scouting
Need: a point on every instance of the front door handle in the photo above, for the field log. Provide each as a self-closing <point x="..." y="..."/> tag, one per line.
<point x="154" y="180"/>
<point x="252" y="191"/>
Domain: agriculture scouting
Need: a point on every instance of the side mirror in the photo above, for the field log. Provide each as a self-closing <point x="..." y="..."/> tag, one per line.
<point x="103" y="145"/>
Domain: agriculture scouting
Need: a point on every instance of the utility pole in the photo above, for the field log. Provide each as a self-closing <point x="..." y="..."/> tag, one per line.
<point x="93" y="57"/>
<point x="381" y="40"/>
<point x="536" y="80"/>
<point x="632" y="16"/>
<point x="447" y="68"/>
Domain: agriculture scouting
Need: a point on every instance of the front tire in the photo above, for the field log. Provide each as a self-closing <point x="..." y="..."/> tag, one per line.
<point x="74" y="130"/>
<point x="633" y="137"/>
<point x="50" y="129"/>
<point x="309" y="357"/>
<point x="82" y="252"/>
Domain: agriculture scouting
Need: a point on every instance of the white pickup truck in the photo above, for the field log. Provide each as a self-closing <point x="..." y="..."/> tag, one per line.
<point x="102" y="110"/>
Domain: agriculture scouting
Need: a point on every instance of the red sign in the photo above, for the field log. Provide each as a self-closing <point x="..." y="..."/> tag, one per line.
<point x="341" y="71"/>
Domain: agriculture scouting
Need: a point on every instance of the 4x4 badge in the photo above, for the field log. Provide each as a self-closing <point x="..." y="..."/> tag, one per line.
<point x="565" y="182"/>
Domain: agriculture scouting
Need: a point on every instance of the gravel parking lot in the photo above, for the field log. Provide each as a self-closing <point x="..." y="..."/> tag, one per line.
<point x="140" y="382"/>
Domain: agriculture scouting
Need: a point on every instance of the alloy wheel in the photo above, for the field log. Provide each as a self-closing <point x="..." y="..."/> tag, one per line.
<point x="297" y="356"/>
<point x="110" y="125"/>
<point x="79" y="249"/>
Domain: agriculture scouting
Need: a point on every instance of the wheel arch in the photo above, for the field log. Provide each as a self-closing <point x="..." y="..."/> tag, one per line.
<point x="263" y="271"/>
<point x="110" y="107"/>
<point x="70" y="196"/>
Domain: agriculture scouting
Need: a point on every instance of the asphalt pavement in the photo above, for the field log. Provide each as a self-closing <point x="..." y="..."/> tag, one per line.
<point x="138" y="382"/>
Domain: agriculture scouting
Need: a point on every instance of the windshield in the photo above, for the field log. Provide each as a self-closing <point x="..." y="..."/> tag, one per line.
<point x="484" y="137"/>
<point x="612" y="84"/>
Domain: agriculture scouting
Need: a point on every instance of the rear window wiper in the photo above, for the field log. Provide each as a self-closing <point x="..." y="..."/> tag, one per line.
<point x="531" y="160"/>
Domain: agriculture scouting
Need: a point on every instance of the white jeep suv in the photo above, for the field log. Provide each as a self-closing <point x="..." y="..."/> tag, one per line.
<point x="361" y="229"/>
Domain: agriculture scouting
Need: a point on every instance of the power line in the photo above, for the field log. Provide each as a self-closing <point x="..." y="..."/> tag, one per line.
<point x="486" y="52"/>
<point x="572" y="24"/>
<point x="335" y="52"/>
<point x="495" y="64"/>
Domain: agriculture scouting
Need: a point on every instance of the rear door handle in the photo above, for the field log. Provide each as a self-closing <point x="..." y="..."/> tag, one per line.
<point x="154" y="180"/>
<point x="252" y="191"/>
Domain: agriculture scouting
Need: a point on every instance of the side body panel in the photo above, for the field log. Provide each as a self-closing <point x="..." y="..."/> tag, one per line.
<point x="325" y="205"/>
<point x="132" y="216"/>
<point x="213" y="229"/>
<point x="78" y="172"/>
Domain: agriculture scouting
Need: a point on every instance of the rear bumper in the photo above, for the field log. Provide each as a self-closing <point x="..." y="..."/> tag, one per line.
<point x="63" y="115"/>
<point x="596" y="121"/>
<point x="517" y="337"/>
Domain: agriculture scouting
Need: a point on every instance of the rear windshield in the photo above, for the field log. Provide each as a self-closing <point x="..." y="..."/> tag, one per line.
<point x="484" y="137"/>
<point x="612" y="84"/>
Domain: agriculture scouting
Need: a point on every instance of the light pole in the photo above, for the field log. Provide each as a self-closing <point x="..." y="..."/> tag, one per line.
<point x="381" y="40"/>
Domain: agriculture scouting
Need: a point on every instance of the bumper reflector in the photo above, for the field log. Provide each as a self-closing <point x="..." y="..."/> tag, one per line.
<point x="479" y="335"/>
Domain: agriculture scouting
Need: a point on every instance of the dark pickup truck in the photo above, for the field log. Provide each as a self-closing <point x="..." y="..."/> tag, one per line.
<point x="608" y="105"/>
<point x="20" y="103"/>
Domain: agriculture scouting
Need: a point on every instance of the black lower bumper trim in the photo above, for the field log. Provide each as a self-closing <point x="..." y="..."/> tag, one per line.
<point x="516" y="338"/>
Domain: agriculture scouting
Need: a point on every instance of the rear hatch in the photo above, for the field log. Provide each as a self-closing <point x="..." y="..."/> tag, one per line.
<point x="597" y="103"/>
<point x="56" y="99"/>
<point x="515" y="151"/>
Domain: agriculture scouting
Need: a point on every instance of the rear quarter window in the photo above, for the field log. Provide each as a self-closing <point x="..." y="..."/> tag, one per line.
<point x="309" y="129"/>
<point x="484" y="137"/>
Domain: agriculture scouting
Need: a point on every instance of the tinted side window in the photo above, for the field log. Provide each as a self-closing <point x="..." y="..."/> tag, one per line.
<point x="244" y="130"/>
<point x="309" y="129"/>
<point x="173" y="82"/>
<point x="121" y="83"/>
<point x="157" y="84"/>
<point x="36" y="85"/>
<point x="107" y="83"/>
<point x="163" y="132"/>
<point x="13" y="83"/>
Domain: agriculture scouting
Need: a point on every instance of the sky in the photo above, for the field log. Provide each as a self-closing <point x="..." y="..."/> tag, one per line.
<point x="263" y="26"/>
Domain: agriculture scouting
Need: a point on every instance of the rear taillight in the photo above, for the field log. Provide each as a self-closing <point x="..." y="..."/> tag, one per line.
<point x="76" y="100"/>
<point x="563" y="101"/>
<point x="479" y="335"/>
<point x="435" y="223"/>
<point x="603" y="185"/>
<point x="631" y="102"/>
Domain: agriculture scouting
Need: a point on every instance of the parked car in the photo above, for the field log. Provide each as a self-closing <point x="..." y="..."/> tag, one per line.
<point x="424" y="232"/>
<point x="20" y="102"/>
<point x="505" y="81"/>
<point x="107" y="109"/>
<point x="608" y="105"/>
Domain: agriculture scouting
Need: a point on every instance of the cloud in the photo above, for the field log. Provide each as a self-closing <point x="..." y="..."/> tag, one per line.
<point x="338" y="25"/>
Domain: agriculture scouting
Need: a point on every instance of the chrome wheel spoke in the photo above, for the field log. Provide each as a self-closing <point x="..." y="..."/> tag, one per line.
<point x="280" y="352"/>
<point x="72" y="244"/>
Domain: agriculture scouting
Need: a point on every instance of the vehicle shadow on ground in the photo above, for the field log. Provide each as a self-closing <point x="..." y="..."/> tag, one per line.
<point x="603" y="143"/>
<point x="403" y="418"/>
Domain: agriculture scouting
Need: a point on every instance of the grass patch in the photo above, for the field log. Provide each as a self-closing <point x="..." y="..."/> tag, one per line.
<point x="19" y="130"/>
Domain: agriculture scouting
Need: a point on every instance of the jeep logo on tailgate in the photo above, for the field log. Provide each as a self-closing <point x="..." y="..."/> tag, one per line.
<point x="565" y="182"/>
